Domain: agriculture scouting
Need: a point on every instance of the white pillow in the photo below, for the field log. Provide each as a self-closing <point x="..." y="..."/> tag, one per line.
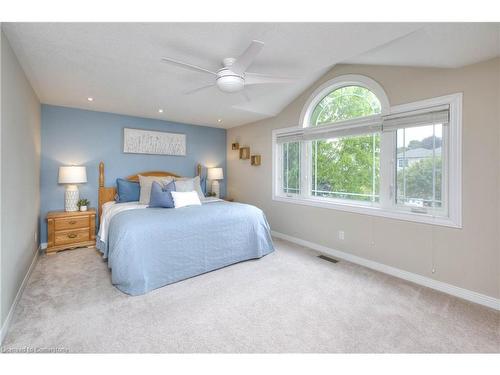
<point x="185" y="198"/>
<point x="145" y="183"/>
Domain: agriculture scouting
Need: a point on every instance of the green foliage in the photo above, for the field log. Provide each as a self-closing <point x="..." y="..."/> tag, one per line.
<point x="83" y="202"/>
<point x="419" y="181"/>
<point x="347" y="165"/>
<point x="344" y="104"/>
<point x="427" y="143"/>
<point x="291" y="176"/>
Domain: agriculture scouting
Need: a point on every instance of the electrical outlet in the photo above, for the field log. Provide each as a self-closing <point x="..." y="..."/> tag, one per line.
<point x="341" y="235"/>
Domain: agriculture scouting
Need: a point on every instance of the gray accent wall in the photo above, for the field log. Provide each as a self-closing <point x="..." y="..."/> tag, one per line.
<point x="467" y="257"/>
<point x="20" y="171"/>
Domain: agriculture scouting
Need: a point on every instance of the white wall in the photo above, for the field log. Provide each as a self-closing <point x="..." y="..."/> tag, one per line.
<point x="20" y="180"/>
<point x="468" y="257"/>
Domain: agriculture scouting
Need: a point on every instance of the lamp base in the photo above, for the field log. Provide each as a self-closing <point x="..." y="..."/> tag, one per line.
<point x="215" y="188"/>
<point x="71" y="197"/>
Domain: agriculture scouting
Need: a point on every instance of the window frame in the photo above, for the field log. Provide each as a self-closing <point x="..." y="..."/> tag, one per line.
<point x="386" y="207"/>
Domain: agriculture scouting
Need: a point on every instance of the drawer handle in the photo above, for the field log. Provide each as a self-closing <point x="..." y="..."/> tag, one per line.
<point x="72" y="222"/>
<point x="72" y="235"/>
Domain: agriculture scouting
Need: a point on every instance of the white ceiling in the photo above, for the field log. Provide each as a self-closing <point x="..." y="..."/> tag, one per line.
<point x="118" y="64"/>
<point x="446" y="45"/>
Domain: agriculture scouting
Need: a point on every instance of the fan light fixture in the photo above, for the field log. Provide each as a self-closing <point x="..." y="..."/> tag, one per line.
<point x="230" y="83"/>
<point x="233" y="76"/>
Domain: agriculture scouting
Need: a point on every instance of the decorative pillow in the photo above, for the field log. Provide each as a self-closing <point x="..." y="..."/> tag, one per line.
<point x="203" y="185"/>
<point x="161" y="196"/>
<point x="184" y="185"/>
<point x="127" y="191"/>
<point x="185" y="198"/>
<point x="146" y="182"/>
<point x="190" y="184"/>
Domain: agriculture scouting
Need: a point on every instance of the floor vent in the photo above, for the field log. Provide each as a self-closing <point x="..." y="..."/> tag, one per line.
<point x="324" y="257"/>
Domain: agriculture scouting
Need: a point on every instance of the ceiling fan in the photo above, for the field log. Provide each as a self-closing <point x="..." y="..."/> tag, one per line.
<point x="233" y="77"/>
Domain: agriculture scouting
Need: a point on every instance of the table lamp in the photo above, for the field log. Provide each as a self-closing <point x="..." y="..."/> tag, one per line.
<point x="215" y="174"/>
<point x="71" y="176"/>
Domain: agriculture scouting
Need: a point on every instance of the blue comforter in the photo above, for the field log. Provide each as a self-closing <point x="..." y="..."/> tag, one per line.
<point x="153" y="247"/>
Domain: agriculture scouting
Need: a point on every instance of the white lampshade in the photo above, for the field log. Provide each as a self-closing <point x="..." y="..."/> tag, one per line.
<point x="215" y="174"/>
<point x="72" y="174"/>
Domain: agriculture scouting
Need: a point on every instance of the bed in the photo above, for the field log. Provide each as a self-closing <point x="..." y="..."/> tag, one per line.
<point x="147" y="248"/>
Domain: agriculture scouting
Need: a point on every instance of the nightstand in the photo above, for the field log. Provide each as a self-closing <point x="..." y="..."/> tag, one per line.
<point x="69" y="230"/>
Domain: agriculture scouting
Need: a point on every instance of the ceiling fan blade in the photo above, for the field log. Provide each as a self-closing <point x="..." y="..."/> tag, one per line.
<point x="257" y="79"/>
<point x="199" y="89"/>
<point x="186" y="65"/>
<point x="246" y="59"/>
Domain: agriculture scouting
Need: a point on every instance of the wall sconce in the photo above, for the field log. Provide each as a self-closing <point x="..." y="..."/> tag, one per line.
<point x="245" y="153"/>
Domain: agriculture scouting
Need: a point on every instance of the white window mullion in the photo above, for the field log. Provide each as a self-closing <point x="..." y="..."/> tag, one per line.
<point x="305" y="169"/>
<point x="387" y="167"/>
<point x="315" y="165"/>
<point x="287" y="165"/>
<point x="279" y="169"/>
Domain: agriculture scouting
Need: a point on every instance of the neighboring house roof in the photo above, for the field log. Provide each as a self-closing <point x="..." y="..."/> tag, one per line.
<point x="418" y="153"/>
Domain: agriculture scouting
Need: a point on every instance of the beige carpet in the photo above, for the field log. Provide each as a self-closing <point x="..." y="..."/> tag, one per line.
<point x="289" y="301"/>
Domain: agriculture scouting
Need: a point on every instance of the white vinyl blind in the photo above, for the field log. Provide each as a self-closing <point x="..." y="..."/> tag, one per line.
<point x="293" y="136"/>
<point x="336" y="131"/>
<point x="435" y="115"/>
<point x="369" y="125"/>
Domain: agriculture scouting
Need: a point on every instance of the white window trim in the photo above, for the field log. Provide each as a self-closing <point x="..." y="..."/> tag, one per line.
<point x="454" y="160"/>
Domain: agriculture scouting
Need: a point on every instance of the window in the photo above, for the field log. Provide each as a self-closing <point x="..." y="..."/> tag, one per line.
<point x="291" y="168"/>
<point x="345" y="103"/>
<point x="419" y="180"/>
<point x="355" y="153"/>
<point x="353" y="156"/>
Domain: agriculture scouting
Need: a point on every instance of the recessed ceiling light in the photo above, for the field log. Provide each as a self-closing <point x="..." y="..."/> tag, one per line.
<point x="160" y="110"/>
<point x="90" y="99"/>
<point x="219" y="120"/>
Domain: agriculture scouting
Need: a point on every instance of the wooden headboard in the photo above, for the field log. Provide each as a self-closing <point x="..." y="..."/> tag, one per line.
<point x="107" y="194"/>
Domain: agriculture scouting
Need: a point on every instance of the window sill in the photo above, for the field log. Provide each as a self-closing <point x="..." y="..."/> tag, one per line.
<point x="371" y="210"/>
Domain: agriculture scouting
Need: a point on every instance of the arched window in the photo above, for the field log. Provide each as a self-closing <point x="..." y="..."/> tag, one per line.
<point x="344" y="98"/>
<point x="345" y="103"/>
<point x="352" y="151"/>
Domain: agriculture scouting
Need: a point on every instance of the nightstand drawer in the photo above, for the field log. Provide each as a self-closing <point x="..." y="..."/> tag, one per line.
<point x="66" y="223"/>
<point x="71" y="236"/>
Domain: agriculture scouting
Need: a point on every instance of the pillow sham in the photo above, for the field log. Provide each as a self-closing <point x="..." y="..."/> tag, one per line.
<point x="203" y="187"/>
<point x="146" y="182"/>
<point x="161" y="196"/>
<point x="127" y="191"/>
<point x="190" y="184"/>
<point x="185" y="198"/>
<point x="184" y="185"/>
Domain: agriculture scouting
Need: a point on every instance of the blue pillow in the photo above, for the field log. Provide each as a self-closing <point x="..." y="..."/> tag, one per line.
<point x="128" y="191"/>
<point x="203" y="184"/>
<point x="161" y="196"/>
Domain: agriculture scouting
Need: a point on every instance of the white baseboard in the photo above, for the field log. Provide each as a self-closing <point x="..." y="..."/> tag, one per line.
<point x="6" y="324"/>
<point x="453" y="290"/>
